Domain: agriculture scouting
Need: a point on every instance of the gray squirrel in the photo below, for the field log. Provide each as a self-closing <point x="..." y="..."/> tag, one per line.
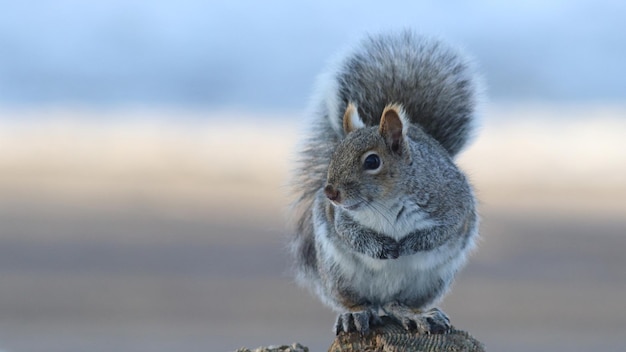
<point x="383" y="217"/>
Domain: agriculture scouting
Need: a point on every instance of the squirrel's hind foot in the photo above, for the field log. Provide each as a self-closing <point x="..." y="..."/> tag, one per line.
<point x="432" y="321"/>
<point x="356" y="321"/>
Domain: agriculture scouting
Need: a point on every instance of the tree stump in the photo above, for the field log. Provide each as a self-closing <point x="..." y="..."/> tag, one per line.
<point x="390" y="336"/>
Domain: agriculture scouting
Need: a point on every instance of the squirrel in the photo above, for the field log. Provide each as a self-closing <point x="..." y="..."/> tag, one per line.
<point x="384" y="218"/>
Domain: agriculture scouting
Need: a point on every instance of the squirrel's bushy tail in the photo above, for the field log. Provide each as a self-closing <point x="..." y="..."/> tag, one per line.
<point x="433" y="81"/>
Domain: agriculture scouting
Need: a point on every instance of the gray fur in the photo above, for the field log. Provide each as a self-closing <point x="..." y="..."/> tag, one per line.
<point x="395" y="238"/>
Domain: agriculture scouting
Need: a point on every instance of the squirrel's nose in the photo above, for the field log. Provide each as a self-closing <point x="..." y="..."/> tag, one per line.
<point x="331" y="193"/>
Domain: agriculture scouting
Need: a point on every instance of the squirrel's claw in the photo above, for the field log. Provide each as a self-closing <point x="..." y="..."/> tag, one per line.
<point x="432" y="321"/>
<point x="356" y="321"/>
<point x="437" y="320"/>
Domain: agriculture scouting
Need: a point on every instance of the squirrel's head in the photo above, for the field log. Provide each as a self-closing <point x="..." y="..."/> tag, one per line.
<point x="368" y="162"/>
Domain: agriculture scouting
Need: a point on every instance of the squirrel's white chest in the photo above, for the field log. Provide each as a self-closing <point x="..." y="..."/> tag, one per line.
<point x="394" y="219"/>
<point x="383" y="281"/>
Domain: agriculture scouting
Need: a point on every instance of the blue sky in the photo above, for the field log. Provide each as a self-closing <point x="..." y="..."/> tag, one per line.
<point x="265" y="54"/>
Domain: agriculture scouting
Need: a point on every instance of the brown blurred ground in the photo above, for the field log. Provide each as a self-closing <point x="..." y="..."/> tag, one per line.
<point x="154" y="232"/>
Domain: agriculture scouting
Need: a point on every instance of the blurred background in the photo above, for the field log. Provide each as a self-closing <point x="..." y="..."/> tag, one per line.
<point x="145" y="149"/>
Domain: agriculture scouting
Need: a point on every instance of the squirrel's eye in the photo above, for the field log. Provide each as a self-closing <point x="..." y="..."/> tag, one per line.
<point x="371" y="162"/>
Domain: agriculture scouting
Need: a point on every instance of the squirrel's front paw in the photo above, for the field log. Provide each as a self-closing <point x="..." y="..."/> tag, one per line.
<point x="356" y="321"/>
<point x="432" y="321"/>
<point x="390" y="250"/>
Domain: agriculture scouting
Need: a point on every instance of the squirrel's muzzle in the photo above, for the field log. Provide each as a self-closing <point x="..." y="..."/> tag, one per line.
<point x="332" y="193"/>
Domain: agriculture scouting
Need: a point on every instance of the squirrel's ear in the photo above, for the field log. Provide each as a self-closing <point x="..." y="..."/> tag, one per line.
<point x="351" y="119"/>
<point x="393" y="126"/>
